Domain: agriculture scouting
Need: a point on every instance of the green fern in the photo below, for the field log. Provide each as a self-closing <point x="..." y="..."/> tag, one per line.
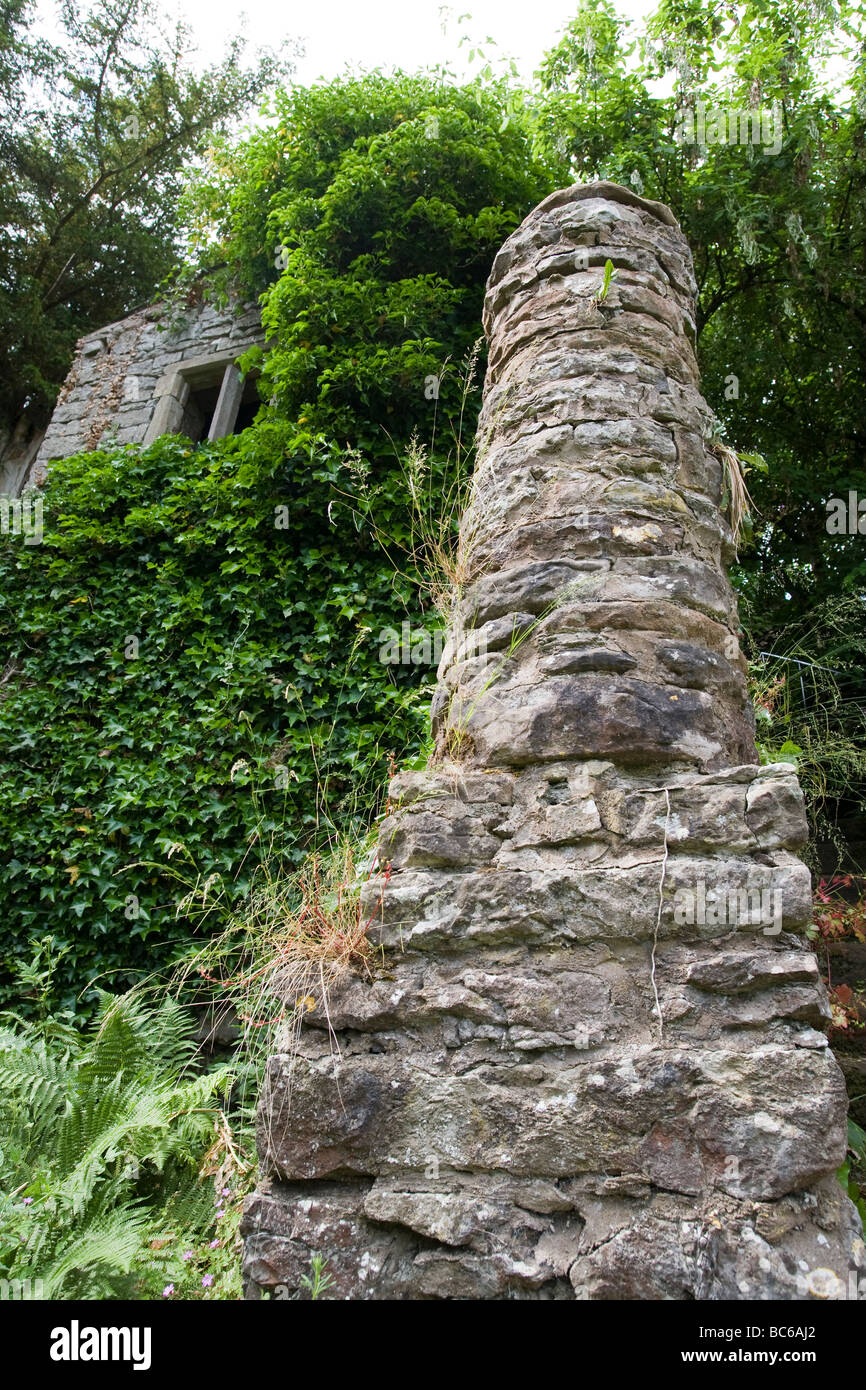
<point x="101" y="1130"/>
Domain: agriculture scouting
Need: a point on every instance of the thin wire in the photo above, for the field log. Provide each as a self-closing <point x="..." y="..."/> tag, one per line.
<point x="797" y="662"/>
<point x="658" y="1007"/>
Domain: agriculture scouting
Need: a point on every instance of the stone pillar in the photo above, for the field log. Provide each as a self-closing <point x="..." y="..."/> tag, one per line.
<point x="228" y="403"/>
<point x="593" y="1064"/>
<point x="168" y="412"/>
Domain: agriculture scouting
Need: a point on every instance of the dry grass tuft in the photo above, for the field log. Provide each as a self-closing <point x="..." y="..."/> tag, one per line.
<point x="277" y="959"/>
<point x="739" y="503"/>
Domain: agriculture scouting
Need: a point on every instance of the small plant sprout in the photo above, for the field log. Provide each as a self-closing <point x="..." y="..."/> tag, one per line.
<point x="609" y="277"/>
<point x="318" y="1281"/>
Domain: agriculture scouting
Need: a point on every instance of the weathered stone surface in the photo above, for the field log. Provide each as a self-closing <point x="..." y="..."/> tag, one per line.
<point x="592" y="1064"/>
<point x="123" y="385"/>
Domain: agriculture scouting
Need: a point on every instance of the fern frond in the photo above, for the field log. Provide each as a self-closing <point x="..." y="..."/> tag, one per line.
<point x="98" y="1129"/>
<point x="88" y="1264"/>
<point x="124" y="1124"/>
<point x="38" y="1077"/>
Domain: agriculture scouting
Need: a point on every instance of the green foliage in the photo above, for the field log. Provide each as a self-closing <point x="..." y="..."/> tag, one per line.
<point x="317" y="1281"/>
<point x="809" y="711"/>
<point x="190" y="661"/>
<point x="101" y="1130"/>
<point x="382" y="201"/>
<point x="251" y="573"/>
<point x="609" y="277"/>
<point x="852" y="1173"/>
<point x="252" y="642"/>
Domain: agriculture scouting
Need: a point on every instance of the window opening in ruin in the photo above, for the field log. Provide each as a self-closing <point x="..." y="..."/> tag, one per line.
<point x="215" y="409"/>
<point x="249" y="406"/>
<point x="199" y="412"/>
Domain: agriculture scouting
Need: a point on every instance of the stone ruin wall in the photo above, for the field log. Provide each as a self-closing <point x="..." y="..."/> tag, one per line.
<point x="119" y="376"/>
<point x="556" y="1087"/>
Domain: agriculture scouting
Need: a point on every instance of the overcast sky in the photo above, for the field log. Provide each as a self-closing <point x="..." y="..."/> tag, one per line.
<point x="379" y="33"/>
<point x="383" y="33"/>
<point x="399" y="33"/>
